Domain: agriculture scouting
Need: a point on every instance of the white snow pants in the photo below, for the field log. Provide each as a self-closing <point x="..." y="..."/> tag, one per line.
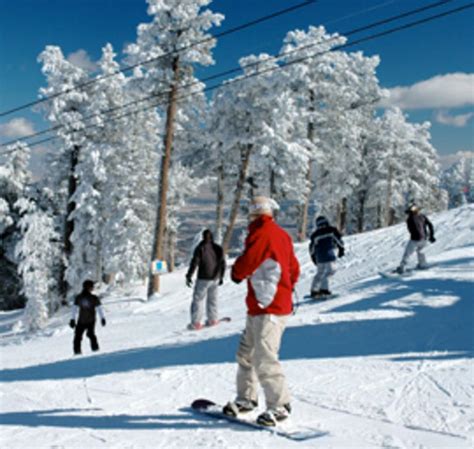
<point x="257" y="357"/>
<point x="204" y="288"/>
<point x="412" y="246"/>
<point x="321" y="279"/>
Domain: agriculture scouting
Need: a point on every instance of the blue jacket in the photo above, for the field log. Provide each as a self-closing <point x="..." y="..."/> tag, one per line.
<point x="323" y="243"/>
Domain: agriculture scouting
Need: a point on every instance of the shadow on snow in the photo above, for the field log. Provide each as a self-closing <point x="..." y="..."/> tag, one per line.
<point x="75" y="418"/>
<point x="442" y="330"/>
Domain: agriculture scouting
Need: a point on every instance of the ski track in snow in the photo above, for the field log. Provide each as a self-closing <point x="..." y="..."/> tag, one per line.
<point x="386" y="364"/>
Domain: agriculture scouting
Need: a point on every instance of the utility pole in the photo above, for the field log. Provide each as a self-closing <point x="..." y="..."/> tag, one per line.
<point x="160" y="225"/>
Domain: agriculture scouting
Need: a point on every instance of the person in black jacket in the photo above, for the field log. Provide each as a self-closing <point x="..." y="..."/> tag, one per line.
<point x="83" y="316"/>
<point x="322" y="247"/>
<point x="420" y="229"/>
<point x="209" y="259"/>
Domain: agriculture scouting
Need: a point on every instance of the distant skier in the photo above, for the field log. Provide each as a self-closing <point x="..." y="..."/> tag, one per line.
<point x="271" y="269"/>
<point x="84" y="315"/>
<point x="420" y="229"/>
<point x="324" y="240"/>
<point x="209" y="258"/>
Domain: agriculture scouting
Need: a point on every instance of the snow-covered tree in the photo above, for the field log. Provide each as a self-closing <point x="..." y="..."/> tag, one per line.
<point x="330" y="87"/>
<point x="403" y="167"/>
<point x="169" y="40"/>
<point x="66" y="112"/>
<point x="182" y="186"/>
<point x="14" y="186"/>
<point x="458" y="180"/>
<point x="37" y="252"/>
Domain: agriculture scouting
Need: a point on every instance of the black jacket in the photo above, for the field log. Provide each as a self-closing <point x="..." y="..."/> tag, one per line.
<point x="323" y="243"/>
<point x="209" y="258"/>
<point x="87" y="303"/>
<point x="419" y="227"/>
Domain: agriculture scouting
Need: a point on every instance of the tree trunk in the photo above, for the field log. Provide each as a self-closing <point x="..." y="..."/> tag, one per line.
<point x="343" y="215"/>
<point x="160" y="225"/>
<point x="361" y="212"/>
<point x="171" y="250"/>
<point x="379" y="215"/>
<point x="69" y="224"/>
<point x="304" y="208"/>
<point x="273" y="191"/>
<point x="109" y="278"/>
<point x="245" y="159"/>
<point x="220" y="203"/>
<point x="388" y="200"/>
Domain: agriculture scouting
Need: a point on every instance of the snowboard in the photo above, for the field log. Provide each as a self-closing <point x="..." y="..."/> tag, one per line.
<point x="309" y="298"/>
<point x="407" y="273"/>
<point x="395" y="275"/>
<point x="285" y="429"/>
<point x="225" y="319"/>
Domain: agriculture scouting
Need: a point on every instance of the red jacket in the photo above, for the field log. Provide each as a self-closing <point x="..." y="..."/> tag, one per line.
<point x="270" y="267"/>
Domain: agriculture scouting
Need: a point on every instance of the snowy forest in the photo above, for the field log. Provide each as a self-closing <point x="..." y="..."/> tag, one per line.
<point x="134" y="148"/>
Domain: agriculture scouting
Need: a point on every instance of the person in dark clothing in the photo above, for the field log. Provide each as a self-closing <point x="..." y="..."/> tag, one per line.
<point x="83" y="316"/>
<point x="421" y="229"/>
<point x="209" y="259"/>
<point x="324" y="240"/>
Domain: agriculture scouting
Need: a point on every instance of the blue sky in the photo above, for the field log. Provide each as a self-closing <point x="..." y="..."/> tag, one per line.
<point x="431" y="67"/>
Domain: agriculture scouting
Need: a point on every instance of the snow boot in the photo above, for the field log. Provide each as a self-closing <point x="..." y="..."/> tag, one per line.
<point x="324" y="292"/>
<point x="272" y="416"/>
<point x="195" y="326"/>
<point x="400" y="269"/>
<point x="239" y="406"/>
<point x="315" y="294"/>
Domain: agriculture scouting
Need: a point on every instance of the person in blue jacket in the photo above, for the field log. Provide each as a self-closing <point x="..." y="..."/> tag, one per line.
<point x="324" y="241"/>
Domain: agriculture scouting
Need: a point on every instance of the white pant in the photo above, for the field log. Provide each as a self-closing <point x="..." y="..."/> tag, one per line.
<point x="202" y="289"/>
<point x="321" y="279"/>
<point x="257" y="357"/>
<point x="412" y="246"/>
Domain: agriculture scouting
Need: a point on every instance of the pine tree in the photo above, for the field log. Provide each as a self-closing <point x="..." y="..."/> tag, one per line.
<point x="175" y="26"/>
<point x="67" y="112"/>
<point x="37" y="252"/>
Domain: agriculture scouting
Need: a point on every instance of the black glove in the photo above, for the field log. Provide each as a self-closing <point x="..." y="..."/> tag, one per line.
<point x="221" y="281"/>
<point x="72" y="323"/>
<point x="103" y="322"/>
<point x="189" y="282"/>
<point x="234" y="279"/>
<point x="432" y="239"/>
<point x="341" y="252"/>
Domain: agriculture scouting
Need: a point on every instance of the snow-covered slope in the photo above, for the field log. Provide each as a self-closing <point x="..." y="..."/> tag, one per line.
<point x="386" y="364"/>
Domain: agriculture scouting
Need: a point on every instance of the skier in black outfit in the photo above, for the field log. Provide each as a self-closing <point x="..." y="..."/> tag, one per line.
<point x="322" y="250"/>
<point x="420" y="229"/>
<point x="85" y="306"/>
<point x="209" y="260"/>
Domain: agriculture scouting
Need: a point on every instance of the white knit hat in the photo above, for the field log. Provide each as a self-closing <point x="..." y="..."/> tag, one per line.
<point x="261" y="205"/>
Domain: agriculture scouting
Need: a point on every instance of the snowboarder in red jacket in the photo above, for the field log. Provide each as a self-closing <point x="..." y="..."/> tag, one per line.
<point x="271" y="269"/>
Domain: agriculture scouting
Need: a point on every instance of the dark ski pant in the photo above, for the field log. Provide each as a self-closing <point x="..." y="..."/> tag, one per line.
<point x="90" y="332"/>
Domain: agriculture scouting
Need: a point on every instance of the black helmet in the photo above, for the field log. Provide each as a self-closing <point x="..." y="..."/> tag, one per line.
<point x="322" y="221"/>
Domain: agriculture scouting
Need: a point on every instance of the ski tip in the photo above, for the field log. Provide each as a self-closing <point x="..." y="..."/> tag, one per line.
<point x="201" y="404"/>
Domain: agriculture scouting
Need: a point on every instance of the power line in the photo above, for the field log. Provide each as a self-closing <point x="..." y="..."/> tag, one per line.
<point x="283" y="66"/>
<point x="240" y="68"/>
<point x="167" y="54"/>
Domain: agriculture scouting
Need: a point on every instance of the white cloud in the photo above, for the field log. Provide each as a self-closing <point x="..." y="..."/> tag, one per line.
<point x="459" y="120"/>
<point x="17" y="127"/>
<point x="450" y="159"/>
<point x="443" y="91"/>
<point x="81" y="59"/>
